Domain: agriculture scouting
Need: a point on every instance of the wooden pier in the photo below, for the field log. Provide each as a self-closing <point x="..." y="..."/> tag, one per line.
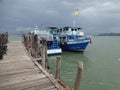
<point x="19" y="72"/>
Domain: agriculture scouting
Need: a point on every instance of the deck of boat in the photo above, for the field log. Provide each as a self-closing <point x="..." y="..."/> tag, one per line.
<point x="19" y="72"/>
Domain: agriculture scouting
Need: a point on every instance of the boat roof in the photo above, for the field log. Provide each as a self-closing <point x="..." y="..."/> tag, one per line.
<point x="72" y="27"/>
<point x="55" y="28"/>
<point x="52" y="27"/>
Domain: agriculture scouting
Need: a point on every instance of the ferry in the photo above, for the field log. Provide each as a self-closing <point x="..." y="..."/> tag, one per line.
<point x="72" y="38"/>
<point x="52" y="43"/>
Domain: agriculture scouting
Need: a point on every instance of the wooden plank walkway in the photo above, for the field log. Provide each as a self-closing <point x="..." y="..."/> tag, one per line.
<point x="18" y="71"/>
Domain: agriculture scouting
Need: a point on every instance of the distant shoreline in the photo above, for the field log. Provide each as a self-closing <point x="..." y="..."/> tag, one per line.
<point x="109" y="34"/>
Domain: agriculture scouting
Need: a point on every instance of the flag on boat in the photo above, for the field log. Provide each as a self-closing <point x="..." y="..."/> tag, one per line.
<point x="76" y="12"/>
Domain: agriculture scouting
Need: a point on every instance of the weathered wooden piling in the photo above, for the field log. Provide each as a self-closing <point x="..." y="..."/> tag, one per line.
<point x="36" y="46"/>
<point x="31" y="43"/>
<point x="43" y="52"/>
<point x="3" y="44"/>
<point x="46" y="59"/>
<point x="58" y="67"/>
<point x="23" y="38"/>
<point x="78" y="76"/>
<point x="0" y="39"/>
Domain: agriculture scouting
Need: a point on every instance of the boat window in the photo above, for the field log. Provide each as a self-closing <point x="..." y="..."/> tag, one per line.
<point x="53" y="31"/>
<point x="63" y="30"/>
<point x="80" y="37"/>
<point x="54" y="37"/>
<point x="70" y="38"/>
<point x="57" y="31"/>
<point x="62" y="39"/>
<point x="60" y="30"/>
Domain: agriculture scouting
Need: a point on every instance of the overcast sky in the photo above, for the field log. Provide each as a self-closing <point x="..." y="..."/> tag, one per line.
<point x="95" y="16"/>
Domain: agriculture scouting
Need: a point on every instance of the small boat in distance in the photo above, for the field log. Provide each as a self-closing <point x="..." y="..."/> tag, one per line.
<point x="52" y="42"/>
<point x="72" y="38"/>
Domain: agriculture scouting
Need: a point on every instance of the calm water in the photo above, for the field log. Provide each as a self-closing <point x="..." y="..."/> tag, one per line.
<point x="101" y="64"/>
<point x="15" y="37"/>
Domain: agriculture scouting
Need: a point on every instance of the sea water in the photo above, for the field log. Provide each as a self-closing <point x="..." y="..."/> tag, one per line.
<point x="15" y="37"/>
<point x="101" y="62"/>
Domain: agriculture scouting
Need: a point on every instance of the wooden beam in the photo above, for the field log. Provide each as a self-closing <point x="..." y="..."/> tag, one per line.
<point x="78" y="76"/>
<point x="58" y="67"/>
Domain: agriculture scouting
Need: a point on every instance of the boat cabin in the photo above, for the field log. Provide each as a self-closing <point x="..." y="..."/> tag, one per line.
<point x="68" y="34"/>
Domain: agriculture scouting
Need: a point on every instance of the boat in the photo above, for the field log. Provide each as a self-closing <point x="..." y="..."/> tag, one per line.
<point x="52" y="43"/>
<point x="72" y="38"/>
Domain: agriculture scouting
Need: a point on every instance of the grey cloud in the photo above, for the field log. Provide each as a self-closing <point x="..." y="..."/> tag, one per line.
<point x="95" y="16"/>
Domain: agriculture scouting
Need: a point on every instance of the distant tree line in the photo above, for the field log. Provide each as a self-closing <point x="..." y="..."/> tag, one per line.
<point x="109" y="34"/>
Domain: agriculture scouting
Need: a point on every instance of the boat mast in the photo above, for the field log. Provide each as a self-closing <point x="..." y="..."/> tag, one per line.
<point x="76" y="12"/>
<point x="74" y="22"/>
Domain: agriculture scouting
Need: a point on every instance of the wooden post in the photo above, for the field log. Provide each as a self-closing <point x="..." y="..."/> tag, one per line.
<point x="32" y="44"/>
<point x="36" y="45"/>
<point x="6" y="36"/>
<point x="58" y="67"/>
<point x="43" y="48"/>
<point x="24" y="39"/>
<point x="78" y="76"/>
<point x="46" y="59"/>
<point x="0" y="39"/>
<point x="30" y="35"/>
<point x="43" y="56"/>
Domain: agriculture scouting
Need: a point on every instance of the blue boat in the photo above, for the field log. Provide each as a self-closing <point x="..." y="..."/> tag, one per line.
<point x="72" y="38"/>
<point x="52" y="42"/>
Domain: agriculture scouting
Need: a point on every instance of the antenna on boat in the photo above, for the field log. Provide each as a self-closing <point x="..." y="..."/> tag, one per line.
<point x="36" y="27"/>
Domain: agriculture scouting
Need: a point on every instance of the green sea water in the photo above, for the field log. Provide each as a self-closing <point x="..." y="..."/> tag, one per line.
<point x="101" y="62"/>
<point x="15" y="37"/>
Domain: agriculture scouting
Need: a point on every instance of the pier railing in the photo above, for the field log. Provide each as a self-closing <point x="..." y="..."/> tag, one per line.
<point x="37" y="48"/>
